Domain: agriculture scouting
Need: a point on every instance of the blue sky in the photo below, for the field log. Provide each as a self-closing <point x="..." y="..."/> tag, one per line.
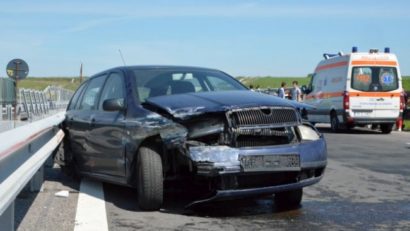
<point x="276" y="38"/>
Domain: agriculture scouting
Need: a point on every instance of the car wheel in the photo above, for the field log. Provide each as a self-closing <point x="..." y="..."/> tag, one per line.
<point x="334" y="122"/>
<point x="150" y="179"/>
<point x="289" y="199"/>
<point x="64" y="159"/>
<point x="386" y="128"/>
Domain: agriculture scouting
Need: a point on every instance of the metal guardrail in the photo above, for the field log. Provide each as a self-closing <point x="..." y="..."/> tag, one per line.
<point x="23" y="152"/>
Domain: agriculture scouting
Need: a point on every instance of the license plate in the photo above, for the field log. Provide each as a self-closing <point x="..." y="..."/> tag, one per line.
<point x="362" y="113"/>
<point x="257" y="163"/>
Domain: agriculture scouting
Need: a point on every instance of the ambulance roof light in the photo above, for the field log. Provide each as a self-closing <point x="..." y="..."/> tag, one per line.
<point x="328" y="56"/>
<point x="354" y="49"/>
<point x="387" y="50"/>
<point x="371" y="51"/>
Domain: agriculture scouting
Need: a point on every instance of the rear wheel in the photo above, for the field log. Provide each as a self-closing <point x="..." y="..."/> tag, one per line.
<point x="150" y="179"/>
<point x="289" y="199"/>
<point x="386" y="128"/>
<point x="334" y="122"/>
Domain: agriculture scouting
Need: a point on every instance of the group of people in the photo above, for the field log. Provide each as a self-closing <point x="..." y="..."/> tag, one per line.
<point x="295" y="92"/>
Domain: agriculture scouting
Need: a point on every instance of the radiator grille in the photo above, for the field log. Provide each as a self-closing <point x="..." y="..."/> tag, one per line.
<point x="263" y="116"/>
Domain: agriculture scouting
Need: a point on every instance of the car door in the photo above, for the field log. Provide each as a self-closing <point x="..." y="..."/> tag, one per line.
<point x="106" y="134"/>
<point x="80" y="124"/>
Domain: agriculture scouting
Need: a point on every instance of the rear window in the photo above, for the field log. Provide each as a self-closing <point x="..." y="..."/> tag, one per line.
<point x="374" y="79"/>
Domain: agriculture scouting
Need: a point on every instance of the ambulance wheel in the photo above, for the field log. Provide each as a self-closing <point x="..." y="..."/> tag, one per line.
<point x="334" y="122"/>
<point x="386" y="128"/>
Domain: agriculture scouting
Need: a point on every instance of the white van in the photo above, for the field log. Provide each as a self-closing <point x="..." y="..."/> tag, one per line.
<point x="356" y="89"/>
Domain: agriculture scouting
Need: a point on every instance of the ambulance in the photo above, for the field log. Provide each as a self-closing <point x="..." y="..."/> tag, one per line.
<point x="356" y="89"/>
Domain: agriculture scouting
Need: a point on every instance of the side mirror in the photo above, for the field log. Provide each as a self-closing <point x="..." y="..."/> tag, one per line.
<point x="113" y="104"/>
<point x="305" y="90"/>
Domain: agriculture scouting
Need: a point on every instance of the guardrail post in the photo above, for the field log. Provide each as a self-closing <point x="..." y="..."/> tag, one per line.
<point x="37" y="181"/>
<point x="9" y="112"/>
<point x="7" y="218"/>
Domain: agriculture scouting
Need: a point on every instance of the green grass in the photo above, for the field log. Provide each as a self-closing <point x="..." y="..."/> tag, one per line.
<point x="407" y="125"/>
<point x="272" y="82"/>
<point x="36" y="83"/>
<point x="406" y="83"/>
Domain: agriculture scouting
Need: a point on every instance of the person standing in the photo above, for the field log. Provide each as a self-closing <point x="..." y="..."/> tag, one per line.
<point x="296" y="93"/>
<point x="281" y="91"/>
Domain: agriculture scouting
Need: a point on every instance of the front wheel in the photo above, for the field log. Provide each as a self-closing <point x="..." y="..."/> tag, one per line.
<point x="386" y="128"/>
<point x="150" y="179"/>
<point x="289" y="199"/>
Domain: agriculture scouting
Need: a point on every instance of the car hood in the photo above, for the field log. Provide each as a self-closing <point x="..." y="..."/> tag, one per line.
<point x="186" y="105"/>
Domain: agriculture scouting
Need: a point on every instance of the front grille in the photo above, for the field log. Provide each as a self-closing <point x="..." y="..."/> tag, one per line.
<point x="262" y="126"/>
<point x="256" y="141"/>
<point x="263" y="116"/>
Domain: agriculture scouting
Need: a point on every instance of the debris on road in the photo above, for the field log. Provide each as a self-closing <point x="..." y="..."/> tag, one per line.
<point x="62" y="193"/>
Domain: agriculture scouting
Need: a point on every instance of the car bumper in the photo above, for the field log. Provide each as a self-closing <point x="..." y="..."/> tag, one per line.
<point x="219" y="160"/>
<point x="253" y="192"/>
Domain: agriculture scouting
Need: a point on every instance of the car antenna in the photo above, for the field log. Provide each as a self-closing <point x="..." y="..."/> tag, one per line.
<point x="122" y="57"/>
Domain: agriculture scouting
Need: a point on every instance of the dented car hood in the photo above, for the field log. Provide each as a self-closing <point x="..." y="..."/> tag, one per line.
<point x="186" y="105"/>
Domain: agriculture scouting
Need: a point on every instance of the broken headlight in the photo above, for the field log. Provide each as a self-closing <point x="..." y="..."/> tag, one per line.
<point x="307" y="132"/>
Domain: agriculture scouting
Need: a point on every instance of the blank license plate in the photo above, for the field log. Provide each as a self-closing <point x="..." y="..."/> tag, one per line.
<point x="255" y="163"/>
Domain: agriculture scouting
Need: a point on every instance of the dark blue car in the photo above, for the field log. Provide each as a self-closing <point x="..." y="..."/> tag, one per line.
<point x="148" y="126"/>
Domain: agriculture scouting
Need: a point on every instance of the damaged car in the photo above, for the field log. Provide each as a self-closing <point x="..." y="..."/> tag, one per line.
<point x="144" y="126"/>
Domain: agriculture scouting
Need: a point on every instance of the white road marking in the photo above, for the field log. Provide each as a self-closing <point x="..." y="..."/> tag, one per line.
<point x="91" y="214"/>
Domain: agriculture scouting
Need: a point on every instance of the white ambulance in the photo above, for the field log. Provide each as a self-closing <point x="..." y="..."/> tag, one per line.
<point x="356" y="89"/>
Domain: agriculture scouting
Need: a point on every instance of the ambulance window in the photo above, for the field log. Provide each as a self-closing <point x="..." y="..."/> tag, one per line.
<point x="374" y="78"/>
<point x="388" y="78"/>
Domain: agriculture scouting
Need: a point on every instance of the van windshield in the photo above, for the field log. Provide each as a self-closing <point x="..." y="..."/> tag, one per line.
<point x="374" y="79"/>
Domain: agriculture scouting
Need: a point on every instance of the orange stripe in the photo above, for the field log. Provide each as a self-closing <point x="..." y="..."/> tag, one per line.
<point x="332" y="65"/>
<point x="374" y="62"/>
<point x="325" y="95"/>
<point x="374" y="94"/>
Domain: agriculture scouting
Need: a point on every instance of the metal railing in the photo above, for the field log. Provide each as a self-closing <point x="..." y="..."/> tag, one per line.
<point x="23" y="152"/>
<point x="33" y="103"/>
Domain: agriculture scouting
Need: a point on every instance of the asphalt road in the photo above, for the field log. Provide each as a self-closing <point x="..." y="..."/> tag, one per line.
<point x="366" y="187"/>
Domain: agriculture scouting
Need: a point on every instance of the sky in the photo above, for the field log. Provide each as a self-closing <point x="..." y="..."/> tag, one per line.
<point x="242" y="38"/>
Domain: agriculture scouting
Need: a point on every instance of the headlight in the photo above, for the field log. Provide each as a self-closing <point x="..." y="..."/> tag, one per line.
<point x="308" y="133"/>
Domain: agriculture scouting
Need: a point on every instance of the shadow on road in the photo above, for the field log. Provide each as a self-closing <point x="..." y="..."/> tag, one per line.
<point x="174" y="203"/>
<point x="356" y="131"/>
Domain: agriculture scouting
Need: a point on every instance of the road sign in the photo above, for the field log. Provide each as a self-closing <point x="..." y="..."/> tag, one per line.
<point x="17" y="69"/>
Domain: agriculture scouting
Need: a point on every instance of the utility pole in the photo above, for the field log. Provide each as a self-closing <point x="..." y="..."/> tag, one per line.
<point x="81" y="73"/>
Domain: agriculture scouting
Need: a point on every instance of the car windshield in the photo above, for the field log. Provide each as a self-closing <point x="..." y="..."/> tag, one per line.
<point x="165" y="81"/>
<point x="374" y="79"/>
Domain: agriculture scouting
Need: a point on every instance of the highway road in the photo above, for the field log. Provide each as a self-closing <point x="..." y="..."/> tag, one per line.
<point x="366" y="187"/>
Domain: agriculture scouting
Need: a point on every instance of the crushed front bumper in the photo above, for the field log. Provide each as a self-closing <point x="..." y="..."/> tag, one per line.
<point x="219" y="162"/>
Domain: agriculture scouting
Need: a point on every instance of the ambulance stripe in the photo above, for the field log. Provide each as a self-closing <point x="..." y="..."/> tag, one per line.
<point x="331" y="65"/>
<point x="374" y="62"/>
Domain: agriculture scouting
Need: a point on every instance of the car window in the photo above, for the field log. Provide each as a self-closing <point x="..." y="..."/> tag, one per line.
<point x="374" y="79"/>
<point x="113" y="88"/>
<point x="218" y="84"/>
<point x="75" y="97"/>
<point x="160" y="82"/>
<point x="90" y="96"/>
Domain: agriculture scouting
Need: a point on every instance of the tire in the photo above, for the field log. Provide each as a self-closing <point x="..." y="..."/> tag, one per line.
<point x="150" y="184"/>
<point x="63" y="157"/>
<point x="334" y="123"/>
<point x="289" y="199"/>
<point x="386" y="128"/>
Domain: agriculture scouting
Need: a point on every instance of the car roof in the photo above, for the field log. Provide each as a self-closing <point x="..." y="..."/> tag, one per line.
<point x="158" y="67"/>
